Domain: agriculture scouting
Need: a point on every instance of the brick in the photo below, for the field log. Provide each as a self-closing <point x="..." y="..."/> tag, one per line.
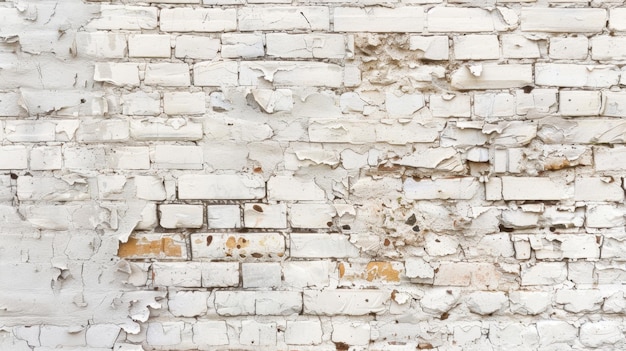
<point x="379" y="19"/>
<point x="164" y="333"/>
<point x="581" y="131"/>
<point x="149" y="45"/>
<point x="292" y="73"/>
<point x="608" y="159"/>
<point x="263" y="303"/>
<point x="245" y="246"/>
<point x="165" y="129"/>
<point x="450" y="105"/>
<point x="29" y="131"/>
<point x="477" y="275"/>
<point x="565" y="246"/>
<point x="577" y="301"/>
<point x="246" y="45"/>
<point x="518" y="46"/>
<point x="141" y="104"/>
<point x="311" y="215"/>
<point x="603" y="333"/>
<point x="46" y="158"/>
<point x="351" y="333"/>
<point x="604" y="216"/>
<point x="181" y="274"/>
<point x="430" y="47"/>
<point x="544" y="273"/>
<point x="575" y="76"/>
<point x="569" y="48"/>
<point x="345" y="302"/>
<point x="261" y="275"/>
<point x="181" y="216"/>
<point x="494" y="104"/>
<point x="13" y="157"/>
<point x="302" y="274"/>
<point x="150" y="188"/>
<point x="476" y="47"/>
<point x="616" y="18"/>
<point x="63" y="102"/>
<point x="101" y="44"/>
<point x="283" y="18"/>
<point x="129" y="157"/>
<point x="403" y="105"/>
<point x="212" y="333"/>
<point x="218" y="73"/>
<point x="456" y="19"/>
<point x="184" y="103"/>
<point x="188" y="303"/>
<point x="167" y="74"/>
<point x="220" y="274"/>
<point x="223" y="216"/>
<point x="265" y="215"/>
<point x="102" y="335"/>
<point x="534" y="188"/>
<point x="198" y="20"/>
<point x="614" y="105"/>
<point x="114" y="17"/>
<point x="51" y="189"/>
<point x="257" y="334"/>
<point x="598" y="189"/>
<point x="309" y="245"/>
<point x="457" y="188"/>
<point x="487" y="302"/>
<point x="563" y="20"/>
<point x="306" y="45"/>
<point x="493" y="77"/>
<point x="153" y="246"/>
<point x="178" y="157"/>
<point x="225" y="186"/>
<point x="306" y="332"/>
<point x="101" y="130"/>
<point x="579" y="103"/>
<point x="289" y="188"/>
<point x="196" y="47"/>
<point x="529" y="302"/>
<point x="54" y="336"/>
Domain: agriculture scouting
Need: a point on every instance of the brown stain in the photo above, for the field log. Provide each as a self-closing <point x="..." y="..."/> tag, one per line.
<point x="233" y="243"/>
<point x="342" y="270"/>
<point x="209" y="239"/>
<point x="257" y="208"/>
<point x="556" y="165"/>
<point x="149" y="248"/>
<point x="424" y="346"/>
<point x="381" y="270"/>
<point x="342" y="346"/>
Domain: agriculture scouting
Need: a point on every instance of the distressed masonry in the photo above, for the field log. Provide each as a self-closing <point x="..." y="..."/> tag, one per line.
<point x="312" y="175"/>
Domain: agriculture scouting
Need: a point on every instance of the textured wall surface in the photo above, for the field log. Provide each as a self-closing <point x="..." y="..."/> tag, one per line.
<point x="312" y="175"/>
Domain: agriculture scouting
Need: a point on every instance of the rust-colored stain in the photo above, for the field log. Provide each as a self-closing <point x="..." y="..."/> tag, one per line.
<point x="150" y="248"/>
<point x="381" y="270"/>
<point x="424" y="346"/>
<point x="340" y="346"/>
<point x="209" y="239"/>
<point x="257" y="208"/>
<point x="556" y="165"/>
<point x="342" y="270"/>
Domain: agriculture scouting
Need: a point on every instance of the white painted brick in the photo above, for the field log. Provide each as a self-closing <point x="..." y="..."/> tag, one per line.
<point x="569" y="48"/>
<point x="457" y="19"/>
<point x="111" y="187"/>
<point x="29" y="131"/>
<point x="219" y="274"/>
<point x="616" y="19"/>
<point x="309" y="245"/>
<point x="120" y="74"/>
<point x="181" y="274"/>
<point x="565" y="246"/>
<point x="185" y="19"/>
<point x="150" y="188"/>
<point x="539" y="102"/>
<point x="13" y="157"/>
<point x="306" y="45"/>
<point x="257" y="334"/>
<point x="273" y="303"/>
<point x="457" y="188"/>
<point x="303" y="274"/>
<point x="598" y="189"/>
<point x="181" y="216"/>
<point x="237" y="246"/>
<point x="595" y="334"/>
<point x="311" y="215"/>
<point x="614" y="105"/>
<point x="345" y="302"/>
<point x="478" y="275"/>
<point x="579" y="103"/>
<point x="141" y="104"/>
<point x="188" y="303"/>
<point x="556" y="332"/>
<point x="403" y="105"/>
<point x="265" y="215"/>
<point x="55" y="336"/>
<point x="450" y="105"/>
<point x="210" y="333"/>
<point x="576" y="301"/>
<point x="379" y="19"/>
<point x="45" y="158"/>
<point x="184" y="103"/>
<point x="292" y="73"/>
<point x="261" y="275"/>
<point x="289" y="188"/>
<point x="573" y="75"/>
<point x="494" y="104"/>
<point x="196" y="47"/>
<point x="227" y="187"/>
<point x="582" y="131"/>
<point x="125" y="17"/>
<point x="493" y="77"/>
<point x="544" y="273"/>
<point x="84" y="158"/>
<point x="283" y="18"/>
<point x="165" y="129"/>
<point x="218" y="73"/>
<point x="101" y="44"/>
<point x="167" y="74"/>
<point x="242" y="45"/>
<point x="306" y="332"/>
<point x="609" y="159"/>
<point x="164" y="333"/>
<point x="351" y="333"/>
<point x="129" y="157"/>
<point x="604" y="216"/>
<point x="487" y="302"/>
<point x="529" y="302"/>
<point x="431" y="47"/>
<point x="178" y="156"/>
<point x="102" y="335"/>
<point x="223" y="216"/>
<point x="534" y="188"/>
<point x="149" y="45"/>
<point x="563" y="20"/>
<point x="512" y="335"/>
<point x="518" y="46"/>
<point x="476" y="47"/>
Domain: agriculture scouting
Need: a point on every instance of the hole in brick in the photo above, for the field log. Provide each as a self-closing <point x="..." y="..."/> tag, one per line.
<point x="330" y="224"/>
<point x="13" y="176"/>
<point x="257" y="255"/>
<point x="505" y="229"/>
<point x="257" y="208"/>
<point x="345" y="227"/>
<point x="411" y="220"/>
<point x="416" y="228"/>
<point x="387" y="242"/>
<point x="444" y="316"/>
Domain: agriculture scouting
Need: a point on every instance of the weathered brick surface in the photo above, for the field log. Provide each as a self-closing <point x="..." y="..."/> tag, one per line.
<point x="316" y="175"/>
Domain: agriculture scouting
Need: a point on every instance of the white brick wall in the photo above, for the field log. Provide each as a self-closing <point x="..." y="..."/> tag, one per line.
<point x="319" y="175"/>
